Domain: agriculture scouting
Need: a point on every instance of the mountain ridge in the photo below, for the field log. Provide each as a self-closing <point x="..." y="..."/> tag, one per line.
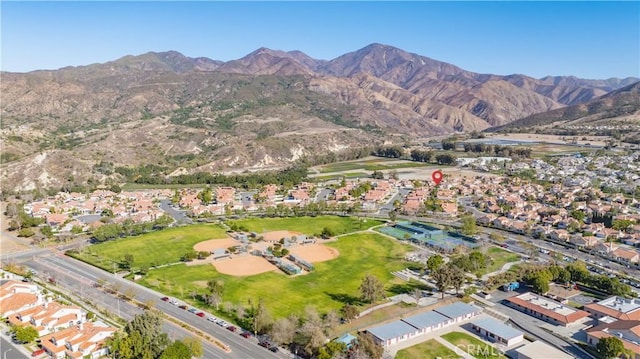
<point x="264" y="110"/>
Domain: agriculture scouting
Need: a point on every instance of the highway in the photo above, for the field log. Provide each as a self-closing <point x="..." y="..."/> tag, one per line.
<point x="79" y="278"/>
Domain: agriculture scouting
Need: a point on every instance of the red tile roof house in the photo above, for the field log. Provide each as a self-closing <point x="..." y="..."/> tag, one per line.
<point x="49" y="317"/>
<point x="78" y="341"/>
<point x="547" y="309"/>
<point x="615" y="307"/>
<point x="628" y="331"/>
<point x="16" y="296"/>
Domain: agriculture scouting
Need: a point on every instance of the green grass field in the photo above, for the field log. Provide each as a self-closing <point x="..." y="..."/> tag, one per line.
<point x="500" y="258"/>
<point x="157" y="248"/>
<point x="473" y="346"/>
<point x="430" y="349"/>
<point x="329" y="286"/>
<point x="370" y="165"/>
<point x="307" y="225"/>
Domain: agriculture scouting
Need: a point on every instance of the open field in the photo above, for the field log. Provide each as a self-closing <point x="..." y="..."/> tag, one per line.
<point x="339" y="176"/>
<point x="500" y="258"/>
<point x="367" y="164"/>
<point x="473" y="346"/>
<point x="157" y="248"/>
<point x="430" y="349"/>
<point x="332" y="284"/>
<point x="306" y="225"/>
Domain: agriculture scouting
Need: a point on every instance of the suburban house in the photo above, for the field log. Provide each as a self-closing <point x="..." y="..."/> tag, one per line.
<point x="628" y="331"/>
<point x="49" y="317"/>
<point x="16" y="296"/>
<point x="539" y="349"/>
<point x="497" y="332"/>
<point x="85" y="340"/>
<point x="615" y="307"/>
<point x="547" y="309"/>
<point x="627" y="256"/>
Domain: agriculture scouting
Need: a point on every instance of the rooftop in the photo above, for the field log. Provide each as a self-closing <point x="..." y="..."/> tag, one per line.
<point x="539" y="349"/>
<point x="498" y="328"/>
<point x="621" y="304"/>
<point x="392" y="330"/>
<point x="457" y="309"/>
<point x="548" y="307"/>
<point x="425" y="320"/>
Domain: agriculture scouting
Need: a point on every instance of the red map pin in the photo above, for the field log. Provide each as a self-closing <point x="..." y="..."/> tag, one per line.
<point x="437" y="177"/>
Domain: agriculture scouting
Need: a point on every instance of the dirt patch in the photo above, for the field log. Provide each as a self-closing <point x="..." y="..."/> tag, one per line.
<point x="212" y="244"/>
<point x="244" y="265"/>
<point x="315" y="252"/>
<point x="275" y="236"/>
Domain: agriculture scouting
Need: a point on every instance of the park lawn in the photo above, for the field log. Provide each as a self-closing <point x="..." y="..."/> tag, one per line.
<point x="500" y="258"/>
<point x="307" y="225"/>
<point x="371" y="165"/>
<point x="329" y="286"/>
<point x="430" y="349"/>
<point x="475" y="347"/>
<point x="151" y="249"/>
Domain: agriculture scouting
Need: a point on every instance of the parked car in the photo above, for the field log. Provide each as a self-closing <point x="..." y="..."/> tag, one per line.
<point x="211" y="318"/>
<point x="192" y="310"/>
<point x="200" y="314"/>
<point x="182" y="306"/>
<point x="232" y="328"/>
<point x="173" y="301"/>
<point x="38" y="352"/>
<point x="245" y="334"/>
<point x="222" y="323"/>
<point x="264" y="343"/>
<point x="164" y="299"/>
<point x="274" y="349"/>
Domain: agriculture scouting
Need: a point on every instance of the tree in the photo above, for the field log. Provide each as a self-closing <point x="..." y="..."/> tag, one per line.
<point x="540" y="281"/>
<point x="216" y="291"/>
<point x="457" y="277"/>
<point x="368" y="346"/>
<point x="283" y="330"/>
<point x="176" y="350"/>
<point x="377" y="175"/>
<point x="261" y="318"/>
<point x="331" y="350"/>
<point x="47" y="231"/>
<point x="127" y="261"/>
<point x="371" y="289"/>
<point x="442" y="277"/>
<point x="350" y="312"/>
<point x="327" y="233"/>
<point x="194" y="345"/>
<point x="434" y="262"/>
<point x="25" y="334"/>
<point x="469" y="226"/>
<point x="392" y="215"/>
<point x="610" y="347"/>
<point x="312" y="331"/>
<point x="146" y="336"/>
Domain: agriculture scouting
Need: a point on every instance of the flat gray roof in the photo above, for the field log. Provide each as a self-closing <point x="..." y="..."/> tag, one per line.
<point x="457" y="309"/>
<point x="392" y="330"/>
<point x="425" y="320"/>
<point x="498" y="328"/>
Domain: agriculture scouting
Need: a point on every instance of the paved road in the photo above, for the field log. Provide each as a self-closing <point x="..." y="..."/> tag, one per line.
<point x="179" y="216"/>
<point x="79" y="278"/>
<point x="10" y="350"/>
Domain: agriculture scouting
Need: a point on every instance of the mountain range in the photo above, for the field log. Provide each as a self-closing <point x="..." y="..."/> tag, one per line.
<point x="261" y="111"/>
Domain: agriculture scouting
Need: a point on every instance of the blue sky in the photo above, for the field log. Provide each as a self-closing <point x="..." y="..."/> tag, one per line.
<point x="593" y="40"/>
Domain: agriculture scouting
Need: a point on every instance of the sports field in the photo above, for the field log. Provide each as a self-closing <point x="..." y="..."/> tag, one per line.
<point x="307" y="225"/>
<point x="332" y="284"/>
<point x="157" y="248"/>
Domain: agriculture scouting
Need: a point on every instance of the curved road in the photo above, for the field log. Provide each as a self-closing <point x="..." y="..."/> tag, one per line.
<point x="79" y="278"/>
